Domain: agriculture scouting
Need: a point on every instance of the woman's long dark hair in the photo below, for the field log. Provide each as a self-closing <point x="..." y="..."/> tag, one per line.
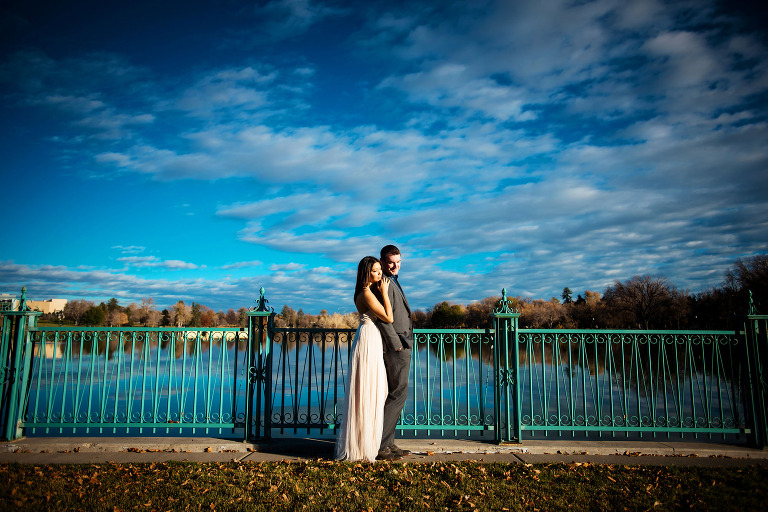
<point x="363" y="271"/>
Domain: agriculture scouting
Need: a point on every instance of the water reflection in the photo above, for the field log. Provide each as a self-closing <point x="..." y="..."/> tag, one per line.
<point x="565" y="379"/>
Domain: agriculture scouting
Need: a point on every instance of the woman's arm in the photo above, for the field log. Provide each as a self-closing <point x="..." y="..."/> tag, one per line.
<point x="382" y="311"/>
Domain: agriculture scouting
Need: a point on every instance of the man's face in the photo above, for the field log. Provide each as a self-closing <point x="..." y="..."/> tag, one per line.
<point x="391" y="264"/>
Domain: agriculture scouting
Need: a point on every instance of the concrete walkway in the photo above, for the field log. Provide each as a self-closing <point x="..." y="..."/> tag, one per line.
<point x="80" y="450"/>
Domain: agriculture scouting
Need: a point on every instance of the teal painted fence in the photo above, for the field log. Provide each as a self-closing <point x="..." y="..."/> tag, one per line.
<point x="503" y="383"/>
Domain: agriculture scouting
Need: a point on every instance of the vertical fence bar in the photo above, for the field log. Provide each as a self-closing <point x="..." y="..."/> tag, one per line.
<point x="15" y="358"/>
<point x="259" y="370"/>
<point x="756" y="366"/>
<point x="506" y="383"/>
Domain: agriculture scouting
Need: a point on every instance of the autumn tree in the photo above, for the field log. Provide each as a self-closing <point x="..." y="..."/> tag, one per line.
<point x="180" y="314"/>
<point x="420" y="319"/>
<point x="588" y="312"/>
<point x="478" y="314"/>
<point x="242" y="317"/>
<point x="207" y="317"/>
<point x="286" y="318"/>
<point x="117" y="318"/>
<point x="543" y="314"/>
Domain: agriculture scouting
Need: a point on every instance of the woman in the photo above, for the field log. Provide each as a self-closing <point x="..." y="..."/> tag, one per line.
<point x="363" y="410"/>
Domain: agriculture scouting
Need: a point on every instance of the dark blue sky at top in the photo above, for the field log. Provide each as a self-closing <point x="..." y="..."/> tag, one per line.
<point x="201" y="151"/>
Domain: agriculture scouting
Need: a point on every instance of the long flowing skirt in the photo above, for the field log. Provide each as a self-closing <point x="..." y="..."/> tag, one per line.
<point x="363" y="406"/>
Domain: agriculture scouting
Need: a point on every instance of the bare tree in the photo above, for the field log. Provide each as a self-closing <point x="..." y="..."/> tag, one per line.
<point x="134" y="313"/>
<point x="645" y="300"/>
<point x="75" y="309"/>
<point x="154" y="317"/>
<point x="748" y="279"/>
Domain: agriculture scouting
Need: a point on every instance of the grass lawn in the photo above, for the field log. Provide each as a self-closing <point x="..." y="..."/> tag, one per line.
<point x="324" y="485"/>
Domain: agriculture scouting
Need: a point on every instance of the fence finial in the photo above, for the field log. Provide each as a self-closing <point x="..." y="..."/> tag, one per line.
<point x="262" y="302"/>
<point x="751" y="310"/>
<point x="502" y="307"/>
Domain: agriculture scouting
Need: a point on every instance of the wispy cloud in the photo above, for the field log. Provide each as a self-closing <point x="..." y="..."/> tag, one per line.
<point x="242" y="264"/>
<point x="130" y="249"/>
<point x="154" y="261"/>
<point x="289" y="18"/>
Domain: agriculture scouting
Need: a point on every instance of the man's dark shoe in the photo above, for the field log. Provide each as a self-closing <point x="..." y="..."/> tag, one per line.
<point x="387" y="454"/>
<point x="399" y="451"/>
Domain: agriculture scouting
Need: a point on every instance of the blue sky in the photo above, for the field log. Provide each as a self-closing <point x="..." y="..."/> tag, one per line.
<point x="201" y="152"/>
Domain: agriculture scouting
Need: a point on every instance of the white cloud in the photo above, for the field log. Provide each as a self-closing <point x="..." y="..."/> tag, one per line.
<point x="154" y="262"/>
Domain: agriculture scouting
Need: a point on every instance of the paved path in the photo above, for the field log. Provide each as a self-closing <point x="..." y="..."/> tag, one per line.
<point x="80" y="450"/>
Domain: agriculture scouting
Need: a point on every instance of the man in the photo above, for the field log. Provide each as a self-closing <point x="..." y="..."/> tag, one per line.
<point x="398" y="341"/>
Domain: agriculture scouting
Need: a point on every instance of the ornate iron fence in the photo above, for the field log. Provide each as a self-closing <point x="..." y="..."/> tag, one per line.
<point x="649" y="381"/>
<point x="505" y="382"/>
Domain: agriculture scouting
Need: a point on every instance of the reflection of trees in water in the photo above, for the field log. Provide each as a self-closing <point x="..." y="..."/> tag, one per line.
<point x="633" y="355"/>
<point x="451" y="384"/>
<point x="100" y="342"/>
<point x="632" y="378"/>
<point x="450" y="346"/>
<point x="640" y="379"/>
<point x="309" y="366"/>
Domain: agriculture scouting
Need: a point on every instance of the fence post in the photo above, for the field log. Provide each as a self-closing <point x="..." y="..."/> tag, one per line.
<point x="756" y="339"/>
<point x="259" y="370"/>
<point x="506" y="391"/>
<point x="15" y="361"/>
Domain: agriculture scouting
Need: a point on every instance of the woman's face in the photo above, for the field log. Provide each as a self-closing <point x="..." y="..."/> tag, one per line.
<point x="375" y="275"/>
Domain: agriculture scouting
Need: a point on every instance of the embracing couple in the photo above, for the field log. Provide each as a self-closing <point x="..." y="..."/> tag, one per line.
<point x="377" y="384"/>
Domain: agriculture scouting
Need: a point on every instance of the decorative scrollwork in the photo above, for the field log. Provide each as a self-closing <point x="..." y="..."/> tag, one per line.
<point x="505" y="377"/>
<point x="503" y="306"/>
<point x="257" y="375"/>
<point x="261" y="303"/>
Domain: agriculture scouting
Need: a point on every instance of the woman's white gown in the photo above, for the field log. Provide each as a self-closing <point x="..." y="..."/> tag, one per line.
<point x="366" y="390"/>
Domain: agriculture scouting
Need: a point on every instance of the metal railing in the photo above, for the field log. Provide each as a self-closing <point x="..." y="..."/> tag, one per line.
<point x="631" y="381"/>
<point x="505" y="382"/>
<point x="135" y="378"/>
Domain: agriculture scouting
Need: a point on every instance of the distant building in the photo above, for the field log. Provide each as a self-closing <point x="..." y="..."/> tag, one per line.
<point x="8" y="302"/>
<point x="47" y="307"/>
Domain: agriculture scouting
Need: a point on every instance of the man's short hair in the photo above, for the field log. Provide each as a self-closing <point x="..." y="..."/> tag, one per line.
<point x="388" y="250"/>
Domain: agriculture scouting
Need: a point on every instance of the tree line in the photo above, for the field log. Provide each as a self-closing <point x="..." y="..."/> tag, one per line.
<point x="641" y="302"/>
<point x="112" y="314"/>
